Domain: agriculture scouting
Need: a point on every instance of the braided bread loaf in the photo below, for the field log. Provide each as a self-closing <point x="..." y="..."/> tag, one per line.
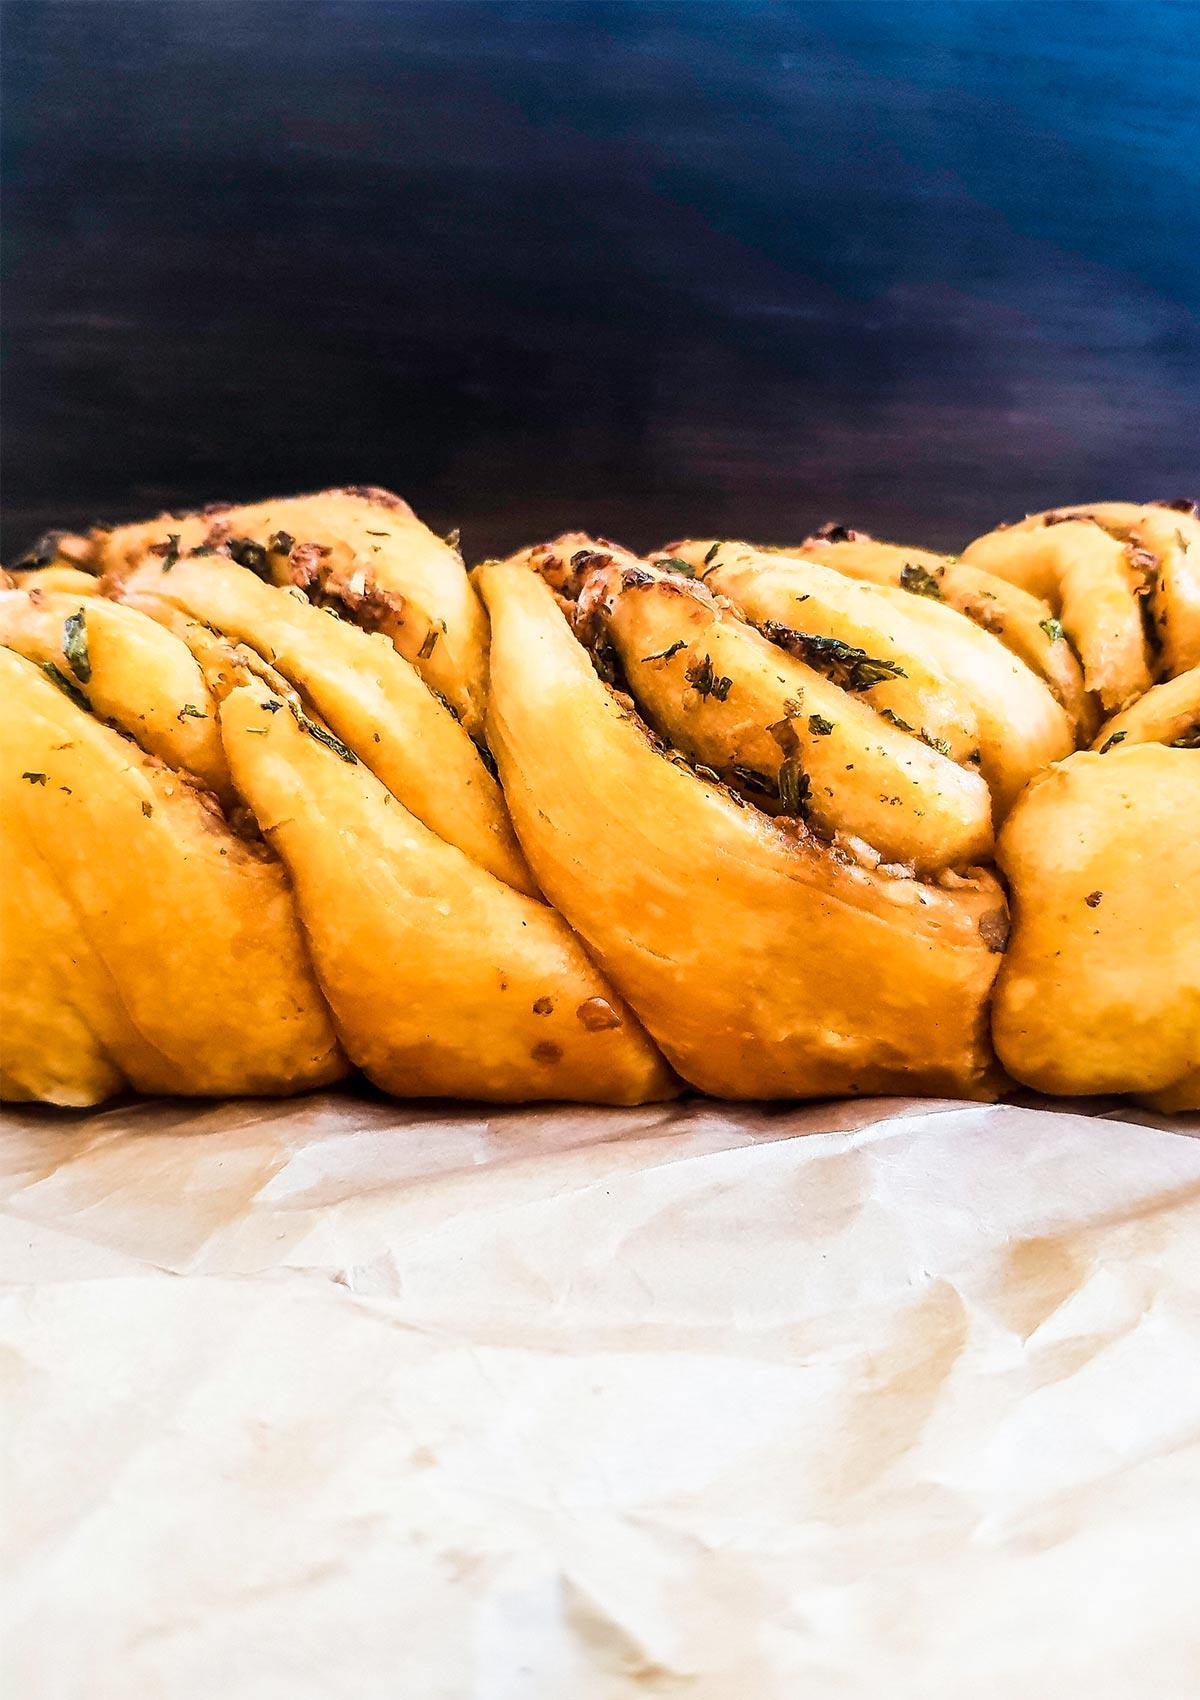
<point x="749" y="820"/>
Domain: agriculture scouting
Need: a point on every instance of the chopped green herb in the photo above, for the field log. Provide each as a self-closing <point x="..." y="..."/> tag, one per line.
<point x="247" y="553"/>
<point x="171" y="552"/>
<point x="272" y="705"/>
<point x="819" y="726"/>
<point x="280" y="543"/>
<point x="706" y="682"/>
<point x="1053" y="630"/>
<point x="189" y="711"/>
<point x="1117" y="738"/>
<point x="388" y="534"/>
<point x="672" y="564"/>
<point x="888" y="714"/>
<point x="322" y="736"/>
<point x="846" y="665"/>
<point x="1189" y="741"/>
<point x="605" y="660"/>
<point x="794" y="789"/>
<point x="793" y="783"/>
<point x="666" y="654"/>
<point x="430" y="643"/>
<point x="712" y="554"/>
<point x="941" y="745"/>
<point x="35" y="778"/>
<point x="703" y="772"/>
<point x="59" y="678"/>
<point x="147" y="809"/>
<point x="75" y="645"/>
<point x="920" y="581"/>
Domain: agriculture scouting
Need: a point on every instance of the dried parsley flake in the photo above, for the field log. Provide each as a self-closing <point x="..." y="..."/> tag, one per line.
<point x="59" y="678"/>
<point x="851" y="668"/>
<point x="794" y="789"/>
<point x="322" y="736"/>
<point x="75" y="645"/>
<point x="247" y="553"/>
<point x="430" y="641"/>
<point x="920" y="581"/>
<point x="702" y="677"/>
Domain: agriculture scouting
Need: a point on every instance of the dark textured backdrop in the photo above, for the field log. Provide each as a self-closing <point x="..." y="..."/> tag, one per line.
<point x="643" y="268"/>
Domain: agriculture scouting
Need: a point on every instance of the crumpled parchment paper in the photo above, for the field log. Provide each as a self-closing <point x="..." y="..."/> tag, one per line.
<point x="353" y="1400"/>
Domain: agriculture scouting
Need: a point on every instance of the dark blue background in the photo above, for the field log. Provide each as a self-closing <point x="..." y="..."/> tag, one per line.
<point x="643" y="268"/>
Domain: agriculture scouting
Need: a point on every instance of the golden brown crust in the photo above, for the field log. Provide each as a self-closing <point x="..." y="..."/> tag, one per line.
<point x="1100" y="990"/>
<point x="358" y="549"/>
<point x="442" y="979"/>
<point x="386" y="862"/>
<point x="1167" y="714"/>
<point x="171" y="941"/>
<point x="1110" y="567"/>
<point x="1023" y="623"/>
<point x="748" y="808"/>
<point x="132" y="673"/>
<point x="729" y="932"/>
<point x="364" y="690"/>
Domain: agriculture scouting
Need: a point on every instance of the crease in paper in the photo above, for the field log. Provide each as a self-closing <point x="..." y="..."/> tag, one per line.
<point x="432" y="1403"/>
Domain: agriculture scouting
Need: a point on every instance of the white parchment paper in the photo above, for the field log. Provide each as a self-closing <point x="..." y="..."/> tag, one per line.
<point x="351" y="1400"/>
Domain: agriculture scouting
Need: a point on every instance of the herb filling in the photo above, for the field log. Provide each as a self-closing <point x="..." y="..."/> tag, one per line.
<point x="59" y="678"/>
<point x="322" y="736"/>
<point x="920" y="581"/>
<point x="247" y="553"/>
<point x="75" y="645"/>
<point x="706" y="682"/>
<point x="851" y="668"/>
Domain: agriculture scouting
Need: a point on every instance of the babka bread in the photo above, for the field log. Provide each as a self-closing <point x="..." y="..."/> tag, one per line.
<point x="767" y="822"/>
